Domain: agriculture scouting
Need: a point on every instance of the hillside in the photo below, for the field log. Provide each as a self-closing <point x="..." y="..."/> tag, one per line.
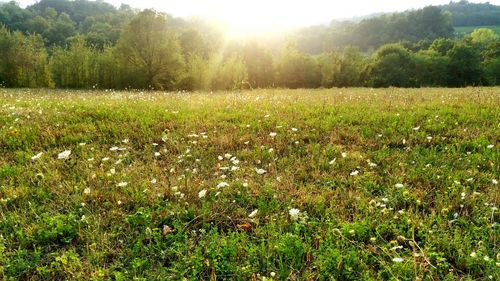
<point x="465" y="13"/>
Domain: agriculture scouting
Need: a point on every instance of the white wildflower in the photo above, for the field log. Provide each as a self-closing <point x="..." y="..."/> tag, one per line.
<point x="202" y="193"/>
<point x="294" y="213"/>
<point x="254" y="213"/>
<point x="37" y="156"/>
<point x="223" y="184"/>
<point x="260" y="171"/>
<point x="63" y="155"/>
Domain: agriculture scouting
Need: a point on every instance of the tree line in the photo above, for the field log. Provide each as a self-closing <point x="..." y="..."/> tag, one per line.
<point x="130" y="49"/>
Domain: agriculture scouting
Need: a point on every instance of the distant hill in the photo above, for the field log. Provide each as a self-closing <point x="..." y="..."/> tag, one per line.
<point x="465" y="13"/>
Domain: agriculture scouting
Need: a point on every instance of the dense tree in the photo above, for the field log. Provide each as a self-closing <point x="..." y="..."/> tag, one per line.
<point x="442" y="46"/>
<point x="228" y="74"/>
<point x="196" y="75"/>
<point x="151" y="51"/>
<point x="491" y="62"/>
<point x="431" y="69"/>
<point x="259" y="63"/>
<point x="329" y="64"/>
<point x="392" y="65"/>
<point x="61" y="29"/>
<point x="24" y="63"/>
<point x="466" y="13"/>
<point x="297" y="70"/>
<point x="14" y="17"/>
<point x="351" y="68"/>
<point x="465" y="66"/>
<point x="74" y="66"/>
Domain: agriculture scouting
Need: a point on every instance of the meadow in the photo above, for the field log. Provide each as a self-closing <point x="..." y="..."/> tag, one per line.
<point x="466" y="30"/>
<point x="340" y="184"/>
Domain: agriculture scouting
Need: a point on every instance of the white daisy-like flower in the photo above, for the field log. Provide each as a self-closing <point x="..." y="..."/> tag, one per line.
<point x="122" y="184"/>
<point x="399" y="185"/>
<point x="64" y="155"/>
<point x="223" y="184"/>
<point x="37" y="156"/>
<point x="260" y="171"/>
<point x="86" y="191"/>
<point x="202" y="193"/>
<point x="294" y="213"/>
<point x="398" y="260"/>
<point x="490" y="146"/>
<point x="355" y="173"/>
<point x="273" y="134"/>
<point x="254" y="213"/>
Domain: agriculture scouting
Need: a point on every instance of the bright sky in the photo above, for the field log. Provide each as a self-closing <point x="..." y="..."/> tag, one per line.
<point x="254" y="15"/>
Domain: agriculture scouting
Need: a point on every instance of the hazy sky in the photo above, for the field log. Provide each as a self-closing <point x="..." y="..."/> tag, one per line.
<point x="254" y="14"/>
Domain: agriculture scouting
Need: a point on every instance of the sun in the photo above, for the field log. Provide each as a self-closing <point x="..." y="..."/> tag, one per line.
<point x="253" y="19"/>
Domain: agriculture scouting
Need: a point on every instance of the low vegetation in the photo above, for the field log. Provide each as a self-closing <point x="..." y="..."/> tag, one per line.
<point x="356" y="184"/>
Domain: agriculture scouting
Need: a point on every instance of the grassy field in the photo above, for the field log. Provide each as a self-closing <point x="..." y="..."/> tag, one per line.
<point x="347" y="184"/>
<point x="464" y="30"/>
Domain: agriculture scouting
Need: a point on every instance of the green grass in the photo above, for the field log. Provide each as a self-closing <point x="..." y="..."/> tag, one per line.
<point x="389" y="184"/>
<point x="465" y="30"/>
